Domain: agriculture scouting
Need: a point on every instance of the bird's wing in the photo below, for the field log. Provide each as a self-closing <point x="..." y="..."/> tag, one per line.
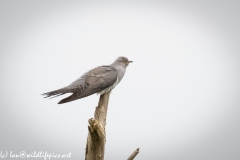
<point x="97" y="79"/>
<point x="101" y="77"/>
<point x="91" y="82"/>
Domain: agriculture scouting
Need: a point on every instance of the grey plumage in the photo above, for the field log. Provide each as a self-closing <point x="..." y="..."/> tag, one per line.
<point x="98" y="80"/>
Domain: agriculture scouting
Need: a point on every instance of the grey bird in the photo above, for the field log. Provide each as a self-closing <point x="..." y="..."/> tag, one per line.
<point x="98" y="80"/>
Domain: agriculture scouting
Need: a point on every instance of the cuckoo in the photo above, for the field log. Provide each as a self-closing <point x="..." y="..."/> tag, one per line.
<point x="98" y="80"/>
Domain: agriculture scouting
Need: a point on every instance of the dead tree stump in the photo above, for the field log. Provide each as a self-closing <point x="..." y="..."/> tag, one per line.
<point x="97" y="136"/>
<point x="96" y="132"/>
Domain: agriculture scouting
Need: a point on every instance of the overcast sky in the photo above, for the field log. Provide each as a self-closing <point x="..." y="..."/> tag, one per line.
<point x="179" y="99"/>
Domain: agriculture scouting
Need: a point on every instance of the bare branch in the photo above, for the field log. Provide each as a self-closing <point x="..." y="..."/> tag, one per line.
<point x="133" y="155"/>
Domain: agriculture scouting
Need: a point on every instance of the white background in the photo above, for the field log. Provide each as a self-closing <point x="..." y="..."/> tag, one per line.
<point x="179" y="99"/>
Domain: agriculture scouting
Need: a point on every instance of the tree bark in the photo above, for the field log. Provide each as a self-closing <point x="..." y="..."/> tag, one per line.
<point x="97" y="136"/>
<point x="133" y="155"/>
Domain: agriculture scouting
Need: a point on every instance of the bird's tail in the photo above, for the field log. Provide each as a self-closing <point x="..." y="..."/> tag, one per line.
<point x="55" y="93"/>
<point x="69" y="99"/>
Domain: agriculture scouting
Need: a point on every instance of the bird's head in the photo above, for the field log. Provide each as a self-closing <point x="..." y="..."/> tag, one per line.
<point x="124" y="61"/>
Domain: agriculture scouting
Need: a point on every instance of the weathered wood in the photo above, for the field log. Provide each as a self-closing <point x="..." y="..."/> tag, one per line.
<point x="97" y="136"/>
<point x="133" y="155"/>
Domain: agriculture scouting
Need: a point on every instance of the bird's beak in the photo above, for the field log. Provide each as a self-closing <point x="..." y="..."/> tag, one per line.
<point x="130" y="61"/>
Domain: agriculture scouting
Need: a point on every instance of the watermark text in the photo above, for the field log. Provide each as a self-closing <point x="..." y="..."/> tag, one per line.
<point x="36" y="154"/>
